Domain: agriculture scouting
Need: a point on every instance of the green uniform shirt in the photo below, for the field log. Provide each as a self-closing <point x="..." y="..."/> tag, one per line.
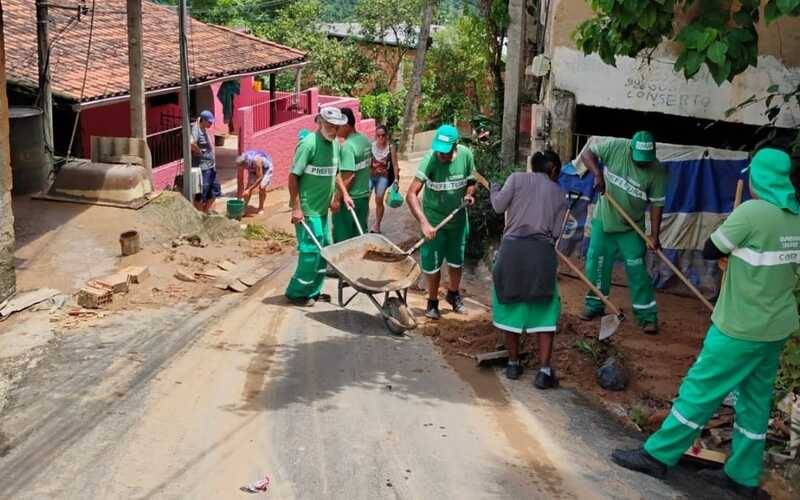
<point x="316" y="162"/>
<point x="757" y="300"/>
<point x="632" y="187"/>
<point x="356" y="156"/>
<point x="445" y="184"/>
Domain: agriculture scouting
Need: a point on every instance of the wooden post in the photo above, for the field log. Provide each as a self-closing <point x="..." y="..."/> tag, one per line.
<point x="412" y="99"/>
<point x="188" y="190"/>
<point x="136" y="72"/>
<point x="45" y="99"/>
<point x="514" y="62"/>
<point x="8" y="283"/>
<point x="562" y="130"/>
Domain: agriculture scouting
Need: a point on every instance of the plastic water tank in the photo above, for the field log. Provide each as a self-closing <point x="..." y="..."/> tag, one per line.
<point x="29" y="162"/>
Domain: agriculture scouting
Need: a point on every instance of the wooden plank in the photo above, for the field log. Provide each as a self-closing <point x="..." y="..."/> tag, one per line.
<point x="489" y="357"/>
<point x="25" y="300"/>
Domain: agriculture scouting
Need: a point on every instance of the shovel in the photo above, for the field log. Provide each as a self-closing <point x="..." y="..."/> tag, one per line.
<point x="382" y="256"/>
<point x="660" y="254"/>
<point x="610" y="322"/>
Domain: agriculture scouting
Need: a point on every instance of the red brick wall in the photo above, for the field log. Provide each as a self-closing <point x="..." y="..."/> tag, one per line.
<point x="280" y="141"/>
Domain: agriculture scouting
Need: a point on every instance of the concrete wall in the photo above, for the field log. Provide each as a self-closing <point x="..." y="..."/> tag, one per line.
<point x="638" y="85"/>
<point x="7" y="275"/>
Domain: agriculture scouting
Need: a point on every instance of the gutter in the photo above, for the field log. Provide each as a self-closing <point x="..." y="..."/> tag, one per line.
<point x="80" y="106"/>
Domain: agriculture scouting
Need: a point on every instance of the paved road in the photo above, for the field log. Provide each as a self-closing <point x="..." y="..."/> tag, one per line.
<point x="196" y="402"/>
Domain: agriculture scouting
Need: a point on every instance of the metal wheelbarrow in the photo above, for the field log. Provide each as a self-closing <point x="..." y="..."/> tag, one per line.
<point x="373" y="278"/>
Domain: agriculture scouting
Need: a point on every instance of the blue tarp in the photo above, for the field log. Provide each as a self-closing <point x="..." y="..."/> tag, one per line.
<point x="701" y="186"/>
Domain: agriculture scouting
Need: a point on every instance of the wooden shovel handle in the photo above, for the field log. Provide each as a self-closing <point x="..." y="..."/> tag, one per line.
<point x="588" y="282"/>
<point x="481" y="179"/>
<point x="436" y="228"/>
<point x="660" y="254"/>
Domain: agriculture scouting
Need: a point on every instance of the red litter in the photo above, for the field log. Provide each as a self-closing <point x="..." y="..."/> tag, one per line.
<point x="258" y="487"/>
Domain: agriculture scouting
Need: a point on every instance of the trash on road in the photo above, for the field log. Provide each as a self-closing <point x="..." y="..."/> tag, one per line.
<point x="260" y="486"/>
<point x="612" y="375"/>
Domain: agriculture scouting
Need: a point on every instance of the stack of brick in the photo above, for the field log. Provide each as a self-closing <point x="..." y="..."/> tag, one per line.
<point x="100" y="292"/>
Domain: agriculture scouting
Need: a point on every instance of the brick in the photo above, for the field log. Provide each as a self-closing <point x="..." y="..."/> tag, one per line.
<point x="117" y="283"/>
<point x="92" y="298"/>
<point x="136" y="274"/>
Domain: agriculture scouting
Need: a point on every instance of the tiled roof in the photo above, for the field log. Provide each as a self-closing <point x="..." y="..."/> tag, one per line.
<point x="214" y="51"/>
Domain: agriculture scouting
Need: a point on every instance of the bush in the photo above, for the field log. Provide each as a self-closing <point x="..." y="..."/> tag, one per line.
<point x="385" y="108"/>
<point x="486" y="226"/>
<point x="788" y="379"/>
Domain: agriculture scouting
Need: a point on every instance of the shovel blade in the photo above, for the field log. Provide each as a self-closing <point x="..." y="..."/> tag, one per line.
<point x="608" y="326"/>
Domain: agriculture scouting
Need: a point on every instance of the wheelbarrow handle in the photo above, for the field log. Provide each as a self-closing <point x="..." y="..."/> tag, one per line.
<point x="352" y="211"/>
<point x="311" y="233"/>
<point x="436" y="228"/>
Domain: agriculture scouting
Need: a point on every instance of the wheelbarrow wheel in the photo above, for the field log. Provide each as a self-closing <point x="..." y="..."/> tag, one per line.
<point x="394" y="326"/>
<point x="397" y="318"/>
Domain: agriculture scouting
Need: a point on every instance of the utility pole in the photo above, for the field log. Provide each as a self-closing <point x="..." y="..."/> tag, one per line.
<point x="184" y="61"/>
<point x="45" y="99"/>
<point x="514" y="63"/>
<point x="136" y="72"/>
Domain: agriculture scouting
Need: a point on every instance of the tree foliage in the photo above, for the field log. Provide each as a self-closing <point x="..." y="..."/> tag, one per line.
<point x="385" y="107"/>
<point x="380" y="19"/>
<point x="720" y="34"/>
<point x="455" y="84"/>
<point x="494" y="14"/>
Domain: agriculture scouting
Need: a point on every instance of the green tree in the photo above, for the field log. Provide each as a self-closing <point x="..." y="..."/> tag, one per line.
<point x="456" y="85"/>
<point x="335" y="67"/>
<point x="495" y="15"/>
<point x="399" y="20"/>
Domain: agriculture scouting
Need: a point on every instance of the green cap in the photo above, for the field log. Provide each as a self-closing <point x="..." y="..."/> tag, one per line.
<point x="445" y="139"/>
<point x="769" y="177"/>
<point x="643" y="147"/>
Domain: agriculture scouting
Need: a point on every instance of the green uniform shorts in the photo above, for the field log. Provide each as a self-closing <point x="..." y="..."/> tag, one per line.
<point x="527" y="317"/>
<point x="448" y="245"/>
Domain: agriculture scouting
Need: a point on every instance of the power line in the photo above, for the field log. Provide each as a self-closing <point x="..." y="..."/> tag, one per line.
<point x="83" y="83"/>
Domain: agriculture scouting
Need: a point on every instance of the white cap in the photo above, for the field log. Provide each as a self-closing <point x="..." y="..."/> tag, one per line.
<point x="333" y="116"/>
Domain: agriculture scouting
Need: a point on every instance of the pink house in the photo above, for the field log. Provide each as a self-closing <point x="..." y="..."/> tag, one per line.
<point x="96" y="88"/>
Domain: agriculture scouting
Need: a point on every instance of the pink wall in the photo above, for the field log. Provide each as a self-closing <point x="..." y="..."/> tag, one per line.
<point x="280" y="141"/>
<point x="113" y="120"/>
<point x="164" y="176"/>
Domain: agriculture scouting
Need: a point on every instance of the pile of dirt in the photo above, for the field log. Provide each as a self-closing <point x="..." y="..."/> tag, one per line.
<point x="656" y="364"/>
<point x="174" y="215"/>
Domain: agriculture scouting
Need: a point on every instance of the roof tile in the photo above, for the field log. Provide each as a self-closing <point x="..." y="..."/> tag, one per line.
<point x="214" y="51"/>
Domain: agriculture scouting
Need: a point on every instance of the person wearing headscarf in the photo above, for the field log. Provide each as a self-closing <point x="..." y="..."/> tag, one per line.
<point x="525" y="298"/>
<point x="755" y="313"/>
<point x="258" y="168"/>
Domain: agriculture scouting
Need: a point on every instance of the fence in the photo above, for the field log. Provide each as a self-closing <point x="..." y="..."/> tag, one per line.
<point x="165" y="146"/>
<point x="270" y="112"/>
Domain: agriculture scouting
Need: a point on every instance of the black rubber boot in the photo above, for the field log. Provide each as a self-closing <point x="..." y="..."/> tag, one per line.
<point x="717" y="477"/>
<point x="456" y="302"/>
<point x="514" y="372"/>
<point x="544" y="381"/>
<point x="303" y="302"/>
<point x="432" y="311"/>
<point x="640" y="461"/>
